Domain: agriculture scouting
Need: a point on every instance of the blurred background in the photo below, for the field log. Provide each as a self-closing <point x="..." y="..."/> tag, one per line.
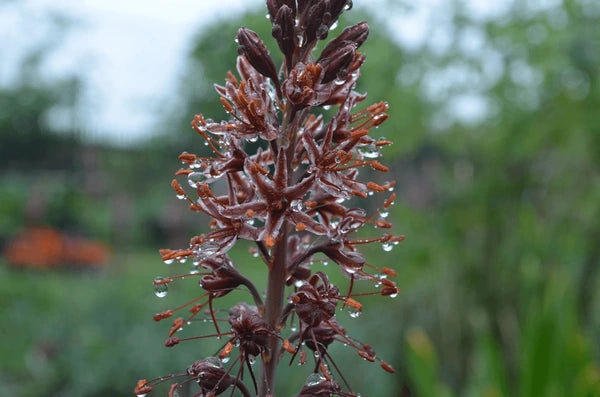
<point x="495" y="115"/>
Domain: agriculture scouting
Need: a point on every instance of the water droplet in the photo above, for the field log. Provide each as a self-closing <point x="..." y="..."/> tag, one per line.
<point x="207" y="249"/>
<point x="370" y="151"/>
<point x="313" y="380"/>
<point x="182" y="259"/>
<point x="215" y="362"/>
<point x="169" y="261"/>
<point x="194" y="268"/>
<point x="253" y="139"/>
<point x="393" y="295"/>
<point x="387" y="247"/>
<point x="250" y="222"/>
<point x="180" y="196"/>
<point x="350" y="270"/>
<point x="316" y="354"/>
<point x="236" y="343"/>
<point x="225" y="360"/>
<point x="255" y="254"/>
<point x="326" y="107"/>
<point x="297" y="205"/>
<point x="141" y="395"/>
<point x="268" y="16"/>
<point x="339" y="81"/>
<point x="251" y="359"/>
<point x="300" y="38"/>
<point x="354" y="313"/>
<point x="340" y="200"/>
<point x="162" y="289"/>
<point x="348" y="5"/>
<point x="196" y="178"/>
<point x="334" y="25"/>
<point x="325" y="263"/>
<point x="293" y="329"/>
<point x="383" y="213"/>
<point x="299" y="283"/>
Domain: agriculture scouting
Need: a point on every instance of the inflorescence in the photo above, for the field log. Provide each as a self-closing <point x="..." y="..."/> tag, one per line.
<point x="292" y="198"/>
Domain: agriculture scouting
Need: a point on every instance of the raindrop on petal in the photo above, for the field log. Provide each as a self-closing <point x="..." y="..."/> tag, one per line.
<point x="313" y="380"/>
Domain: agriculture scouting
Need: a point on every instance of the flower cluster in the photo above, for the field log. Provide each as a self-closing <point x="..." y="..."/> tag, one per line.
<point x="295" y="198"/>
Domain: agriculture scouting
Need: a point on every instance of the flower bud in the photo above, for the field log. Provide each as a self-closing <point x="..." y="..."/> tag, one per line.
<point x="356" y="34"/>
<point x="283" y="32"/>
<point x="252" y="47"/>
<point x="336" y="63"/>
<point x="275" y="5"/>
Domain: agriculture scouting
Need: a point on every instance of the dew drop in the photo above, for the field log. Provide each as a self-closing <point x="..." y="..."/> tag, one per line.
<point x="183" y="259"/>
<point x="268" y="16"/>
<point x="160" y="290"/>
<point x="194" y="268"/>
<point x="354" y="313"/>
<point x="387" y="247"/>
<point x="169" y="261"/>
<point x="325" y="263"/>
<point x="339" y="81"/>
<point x="180" y="196"/>
<point x="383" y="213"/>
<point x="253" y="139"/>
<point x="297" y="205"/>
<point x="316" y="354"/>
<point x="236" y="343"/>
<point x="251" y="360"/>
<point x="326" y="107"/>
<point x="195" y="178"/>
<point x="300" y="38"/>
<point x="215" y="362"/>
<point x="348" y="5"/>
<point x="293" y="329"/>
<point x="225" y="360"/>
<point x="299" y="283"/>
<point x="370" y="151"/>
<point x="313" y="380"/>
<point x="393" y="295"/>
<point x="334" y="25"/>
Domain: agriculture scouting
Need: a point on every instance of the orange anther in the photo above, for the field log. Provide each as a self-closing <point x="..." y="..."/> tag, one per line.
<point x="389" y="272"/>
<point x="162" y="315"/>
<point x="288" y="347"/>
<point x="269" y="241"/>
<point x="389" y="201"/>
<point x="226" y="350"/>
<point x="375" y="187"/>
<point x="387" y="367"/>
<point x="354" y="304"/>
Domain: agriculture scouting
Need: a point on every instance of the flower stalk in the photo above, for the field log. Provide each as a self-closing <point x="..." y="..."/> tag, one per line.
<point x="298" y="198"/>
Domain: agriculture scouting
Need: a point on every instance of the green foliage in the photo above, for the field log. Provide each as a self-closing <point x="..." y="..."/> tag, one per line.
<point x="499" y="270"/>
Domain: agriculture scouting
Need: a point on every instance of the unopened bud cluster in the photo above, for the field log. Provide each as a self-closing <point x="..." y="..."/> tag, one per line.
<point x="296" y="198"/>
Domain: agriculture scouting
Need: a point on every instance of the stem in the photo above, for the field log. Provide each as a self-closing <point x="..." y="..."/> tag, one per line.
<point x="273" y="309"/>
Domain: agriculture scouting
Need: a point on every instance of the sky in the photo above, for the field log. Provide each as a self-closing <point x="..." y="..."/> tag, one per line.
<point x="130" y="54"/>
